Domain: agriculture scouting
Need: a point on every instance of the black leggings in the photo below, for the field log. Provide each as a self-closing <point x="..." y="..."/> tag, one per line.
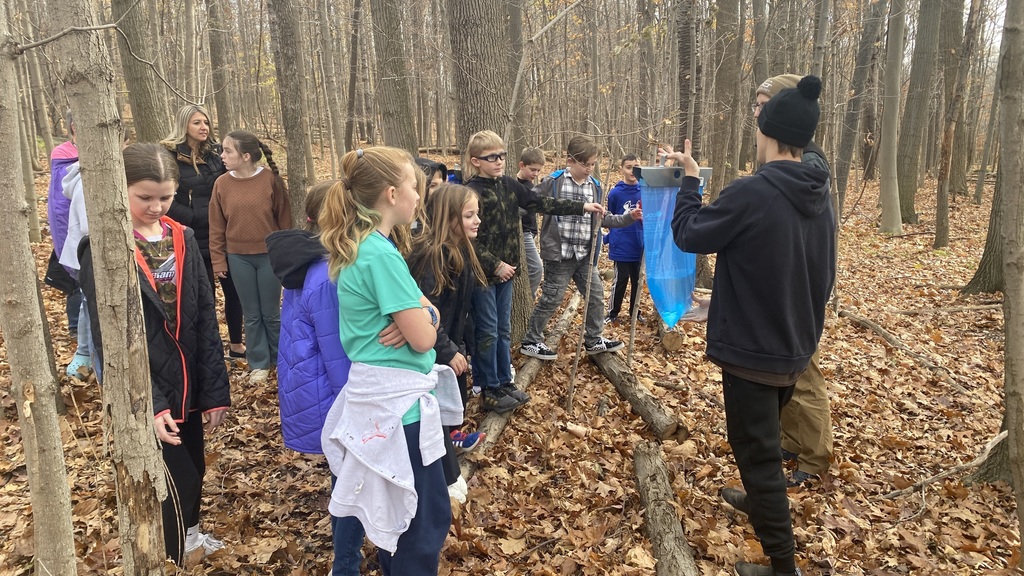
<point x="186" y="466"/>
<point x="232" y="305"/>
<point x="625" y="272"/>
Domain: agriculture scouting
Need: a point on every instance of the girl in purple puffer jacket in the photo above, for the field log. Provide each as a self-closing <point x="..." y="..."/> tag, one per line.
<point x="312" y="367"/>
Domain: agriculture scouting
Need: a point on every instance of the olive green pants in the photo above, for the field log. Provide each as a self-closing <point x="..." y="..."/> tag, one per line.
<point x="807" y="421"/>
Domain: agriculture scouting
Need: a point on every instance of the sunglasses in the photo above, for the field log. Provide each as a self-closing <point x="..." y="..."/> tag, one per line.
<point x="493" y="157"/>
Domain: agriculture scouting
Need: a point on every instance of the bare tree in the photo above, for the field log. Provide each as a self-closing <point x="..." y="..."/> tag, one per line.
<point x="331" y="74"/>
<point x="290" y="65"/>
<point x="915" y="112"/>
<point x="150" y="113"/>
<point x="891" y="222"/>
<point x="34" y="384"/>
<point x="353" y="73"/>
<point x="866" y="47"/>
<point x="127" y="393"/>
<point x="393" y="94"/>
<point x="1011" y="86"/>
<point x="220" y="61"/>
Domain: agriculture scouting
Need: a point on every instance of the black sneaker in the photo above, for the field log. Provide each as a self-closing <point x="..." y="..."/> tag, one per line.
<point x="510" y="390"/>
<point x="496" y="400"/>
<point x="748" y="569"/>
<point x="801" y="478"/>
<point x="537" y="350"/>
<point x="736" y="498"/>
<point x="605" y="345"/>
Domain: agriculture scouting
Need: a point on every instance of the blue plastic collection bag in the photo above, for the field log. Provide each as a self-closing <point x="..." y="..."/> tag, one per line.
<point x="671" y="273"/>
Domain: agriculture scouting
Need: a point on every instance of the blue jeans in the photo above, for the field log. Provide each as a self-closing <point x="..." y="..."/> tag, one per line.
<point x="492" y="317"/>
<point x="72" y="306"/>
<point x="84" y="331"/>
<point x="419" y="547"/>
<point x="347" y="534"/>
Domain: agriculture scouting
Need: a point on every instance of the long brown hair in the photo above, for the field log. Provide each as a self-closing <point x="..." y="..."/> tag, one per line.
<point x="444" y="246"/>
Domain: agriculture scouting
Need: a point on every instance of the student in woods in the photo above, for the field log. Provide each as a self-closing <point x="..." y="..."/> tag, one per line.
<point x="312" y="366"/>
<point x="64" y="158"/>
<point x="447" y="271"/>
<point x="531" y="162"/>
<point x="195" y="149"/>
<point x="497" y="245"/>
<point x="625" y="245"/>
<point x="248" y="203"/>
<point x="774" y="234"/>
<point x="383" y="436"/>
<point x="565" y="248"/>
<point x="186" y="356"/>
<point x="807" y="417"/>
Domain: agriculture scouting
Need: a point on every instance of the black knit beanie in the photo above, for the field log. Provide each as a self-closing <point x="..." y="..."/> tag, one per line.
<point x="791" y="116"/>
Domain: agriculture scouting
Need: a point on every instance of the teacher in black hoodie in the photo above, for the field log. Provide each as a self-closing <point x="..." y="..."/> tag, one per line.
<point x="774" y="233"/>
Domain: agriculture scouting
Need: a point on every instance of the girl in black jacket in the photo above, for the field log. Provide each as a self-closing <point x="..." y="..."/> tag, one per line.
<point x="447" y="271"/>
<point x="186" y="358"/>
<point x="197" y="153"/>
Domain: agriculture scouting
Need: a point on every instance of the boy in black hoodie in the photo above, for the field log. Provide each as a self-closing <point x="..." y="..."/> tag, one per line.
<point x="774" y="233"/>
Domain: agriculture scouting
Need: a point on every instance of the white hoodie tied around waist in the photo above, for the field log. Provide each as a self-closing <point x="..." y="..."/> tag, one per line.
<point x="365" y="444"/>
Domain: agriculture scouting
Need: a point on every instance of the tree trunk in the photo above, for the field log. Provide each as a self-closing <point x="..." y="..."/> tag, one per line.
<point x="726" y="86"/>
<point x="28" y="187"/>
<point x="660" y="420"/>
<point x="188" y="79"/>
<point x="1011" y="167"/>
<point x="954" y="113"/>
<point x="523" y="298"/>
<point x="393" y="94"/>
<point x="33" y="381"/>
<point x="891" y="223"/>
<point x="127" y="394"/>
<point x="223" y="73"/>
<point x="36" y="82"/>
<point x="331" y="74"/>
<point x="986" y="151"/>
<point x="150" y="111"/>
<point x="661" y="520"/>
<point x="915" y="113"/>
<point x="289" y="63"/>
<point x="820" y="37"/>
<point x="866" y="48"/>
<point x="690" y="71"/>
<point x="650" y="132"/>
<point x="988" y="277"/>
<point x="518" y="112"/>
<point x="481" y="77"/>
<point x="353" y="74"/>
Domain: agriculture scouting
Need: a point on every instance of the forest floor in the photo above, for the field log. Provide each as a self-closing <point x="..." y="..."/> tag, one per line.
<point x="546" y="501"/>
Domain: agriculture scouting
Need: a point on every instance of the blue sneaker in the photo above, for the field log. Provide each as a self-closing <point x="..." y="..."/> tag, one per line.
<point x="467" y="441"/>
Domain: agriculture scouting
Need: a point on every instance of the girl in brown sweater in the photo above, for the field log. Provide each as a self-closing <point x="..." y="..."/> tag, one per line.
<point x="248" y="203"/>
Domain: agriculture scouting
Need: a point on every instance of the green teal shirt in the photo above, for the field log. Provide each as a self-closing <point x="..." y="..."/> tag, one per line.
<point x="370" y="289"/>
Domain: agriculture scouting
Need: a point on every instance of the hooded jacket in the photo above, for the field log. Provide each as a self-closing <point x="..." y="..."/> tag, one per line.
<point x="500" y="200"/>
<point x="774" y="233"/>
<point x="187" y="366"/>
<point x="312" y="366"/>
<point x="57" y="205"/>
<point x="191" y="205"/>
<point x="625" y="244"/>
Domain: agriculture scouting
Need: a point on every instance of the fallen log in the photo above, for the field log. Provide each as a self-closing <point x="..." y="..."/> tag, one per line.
<point x="661" y="521"/>
<point x="494" y="424"/>
<point x="662" y="423"/>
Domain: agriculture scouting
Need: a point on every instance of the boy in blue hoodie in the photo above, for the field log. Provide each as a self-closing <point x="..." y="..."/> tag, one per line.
<point x="774" y="233"/>
<point x="625" y="245"/>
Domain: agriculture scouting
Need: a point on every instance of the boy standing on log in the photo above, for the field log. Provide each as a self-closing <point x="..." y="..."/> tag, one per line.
<point x="774" y="233"/>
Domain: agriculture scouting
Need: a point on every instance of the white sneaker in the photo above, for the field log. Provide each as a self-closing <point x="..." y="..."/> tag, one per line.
<point x="259" y="375"/>
<point x="459" y="490"/>
<point x="195" y="540"/>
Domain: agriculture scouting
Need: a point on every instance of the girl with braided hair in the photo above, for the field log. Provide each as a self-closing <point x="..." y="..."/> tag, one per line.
<point x="248" y="203"/>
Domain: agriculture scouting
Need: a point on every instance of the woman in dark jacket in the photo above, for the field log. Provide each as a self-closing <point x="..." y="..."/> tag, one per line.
<point x="197" y="153"/>
<point x="186" y="358"/>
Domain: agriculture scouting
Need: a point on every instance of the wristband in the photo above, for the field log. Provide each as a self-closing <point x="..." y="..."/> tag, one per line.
<point x="433" y="315"/>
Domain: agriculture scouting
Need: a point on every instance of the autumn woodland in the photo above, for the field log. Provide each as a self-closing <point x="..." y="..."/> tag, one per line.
<point x="615" y="466"/>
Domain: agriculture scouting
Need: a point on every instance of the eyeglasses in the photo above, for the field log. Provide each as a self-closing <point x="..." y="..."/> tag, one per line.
<point x="493" y="157"/>
<point x="756" y="106"/>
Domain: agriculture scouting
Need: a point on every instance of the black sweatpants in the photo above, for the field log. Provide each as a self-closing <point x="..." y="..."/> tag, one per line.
<point x="752" y="416"/>
<point x="625" y="272"/>
<point x="186" y="466"/>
